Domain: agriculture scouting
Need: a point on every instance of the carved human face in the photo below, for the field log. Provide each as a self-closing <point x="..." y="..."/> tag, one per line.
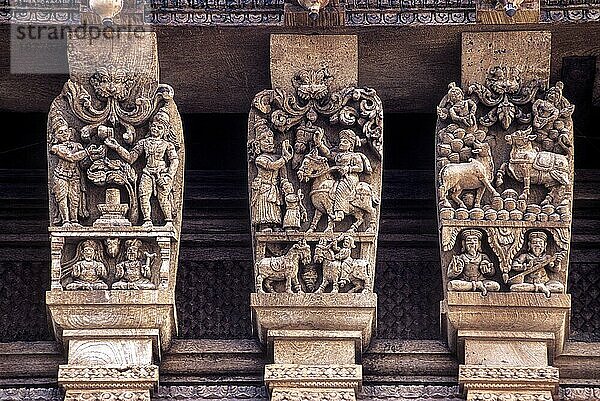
<point x="266" y="144"/>
<point x="455" y="96"/>
<point x="553" y="96"/>
<point x="537" y="246"/>
<point x="288" y="188"/>
<point x="132" y="253"/>
<point x="88" y="253"/>
<point x="471" y="244"/>
<point x="345" y="145"/>
<point x="112" y="246"/>
<point x="63" y="133"/>
<point x="157" y="129"/>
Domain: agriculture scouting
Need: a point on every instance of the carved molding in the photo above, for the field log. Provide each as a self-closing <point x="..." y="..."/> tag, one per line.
<point x="183" y="393"/>
<point x="389" y="392"/>
<point x="107" y="373"/>
<point x="511" y="397"/>
<point x="293" y="372"/>
<point x="357" y="13"/>
<point x="517" y="373"/>
<point x="313" y="395"/>
<point x="580" y="394"/>
<point x="112" y="395"/>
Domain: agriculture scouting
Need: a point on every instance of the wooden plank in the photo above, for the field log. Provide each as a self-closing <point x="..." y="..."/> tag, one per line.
<point x="242" y="361"/>
<point x="219" y="70"/>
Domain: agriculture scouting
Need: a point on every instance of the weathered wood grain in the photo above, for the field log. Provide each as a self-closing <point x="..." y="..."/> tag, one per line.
<point x="242" y="361"/>
<point x="221" y="69"/>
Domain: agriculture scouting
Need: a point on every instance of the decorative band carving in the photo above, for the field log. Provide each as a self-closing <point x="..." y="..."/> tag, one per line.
<point x="508" y="372"/>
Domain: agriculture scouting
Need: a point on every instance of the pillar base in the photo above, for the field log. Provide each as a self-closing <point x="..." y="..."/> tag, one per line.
<point x="316" y="341"/>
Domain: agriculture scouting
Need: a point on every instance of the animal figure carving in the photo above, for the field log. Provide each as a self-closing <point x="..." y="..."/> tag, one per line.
<point x="475" y="174"/>
<point x="282" y="268"/>
<point x="530" y="166"/>
<point x="335" y="273"/>
<point x="315" y="167"/>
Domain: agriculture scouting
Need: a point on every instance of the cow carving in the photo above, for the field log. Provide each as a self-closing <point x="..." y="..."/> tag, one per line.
<point x="475" y="174"/>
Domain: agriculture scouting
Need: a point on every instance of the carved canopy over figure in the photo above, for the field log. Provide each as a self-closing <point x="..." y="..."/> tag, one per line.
<point x="88" y="272"/>
<point x="471" y="269"/>
<point x="532" y="267"/>
<point x="271" y="172"/>
<point x="157" y="175"/>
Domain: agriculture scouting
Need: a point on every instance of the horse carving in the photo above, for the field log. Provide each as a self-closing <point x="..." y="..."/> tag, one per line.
<point x="315" y="168"/>
<point x="282" y="268"/>
<point x="341" y="272"/>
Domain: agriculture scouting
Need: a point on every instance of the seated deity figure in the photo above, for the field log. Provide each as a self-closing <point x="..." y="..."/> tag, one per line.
<point x="533" y="267"/>
<point x="348" y="165"/>
<point x="88" y="273"/>
<point x="67" y="186"/>
<point x="157" y="177"/>
<point x="468" y="271"/>
<point x="133" y="274"/>
<point x="266" y="199"/>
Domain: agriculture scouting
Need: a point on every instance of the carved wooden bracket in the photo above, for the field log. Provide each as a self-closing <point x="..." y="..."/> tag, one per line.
<point x="315" y="160"/>
<point x="115" y="160"/>
<point x="504" y="147"/>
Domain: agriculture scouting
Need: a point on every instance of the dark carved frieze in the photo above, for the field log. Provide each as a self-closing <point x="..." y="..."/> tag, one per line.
<point x="271" y="13"/>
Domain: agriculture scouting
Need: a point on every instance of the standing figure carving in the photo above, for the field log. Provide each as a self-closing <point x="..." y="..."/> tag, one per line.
<point x="471" y="270"/>
<point x="266" y="198"/>
<point x="67" y="185"/>
<point x="532" y="267"/>
<point x="157" y="175"/>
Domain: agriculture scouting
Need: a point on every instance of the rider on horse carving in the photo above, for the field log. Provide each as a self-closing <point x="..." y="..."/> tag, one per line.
<point x="348" y="165"/>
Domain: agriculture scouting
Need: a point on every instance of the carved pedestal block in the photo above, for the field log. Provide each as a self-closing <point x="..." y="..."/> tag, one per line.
<point x="504" y="146"/>
<point x="314" y="176"/>
<point x="508" y="342"/>
<point x="115" y="159"/>
<point x="316" y="341"/>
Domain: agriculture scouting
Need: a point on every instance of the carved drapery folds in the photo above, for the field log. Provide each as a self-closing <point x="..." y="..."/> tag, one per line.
<point x="115" y="160"/>
<point x="315" y="147"/>
<point x="504" y="167"/>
